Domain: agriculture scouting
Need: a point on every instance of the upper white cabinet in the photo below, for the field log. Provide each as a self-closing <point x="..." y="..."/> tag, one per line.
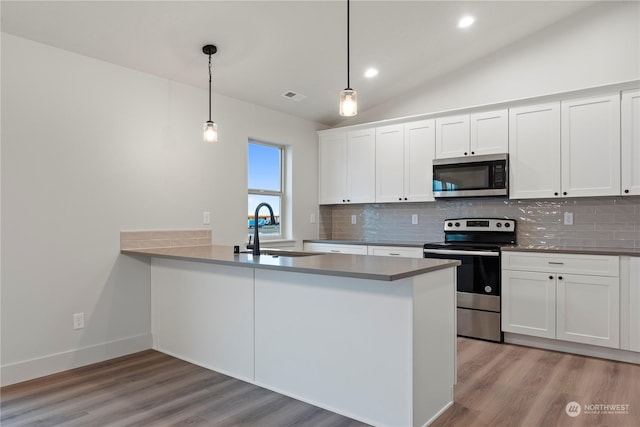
<point x="565" y="149"/>
<point x="534" y="151"/>
<point x="475" y="134"/>
<point x="347" y="167"/>
<point x="630" y="120"/>
<point x="591" y="146"/>
<point x="404" y="154"/>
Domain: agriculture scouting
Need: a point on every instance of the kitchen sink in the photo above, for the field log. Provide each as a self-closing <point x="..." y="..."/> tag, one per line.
<point x="278" y="253"/>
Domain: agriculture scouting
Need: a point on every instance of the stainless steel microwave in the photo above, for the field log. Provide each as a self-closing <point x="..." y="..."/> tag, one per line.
<point x="472" y="176"/>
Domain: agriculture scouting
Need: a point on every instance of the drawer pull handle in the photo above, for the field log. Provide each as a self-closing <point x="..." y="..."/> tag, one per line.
<point x="394" y="253"/>
<point x="335" y="251"/>
<point x="556" y="263"/>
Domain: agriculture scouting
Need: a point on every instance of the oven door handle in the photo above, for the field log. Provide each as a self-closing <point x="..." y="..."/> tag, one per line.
<point x="460" y="252"/>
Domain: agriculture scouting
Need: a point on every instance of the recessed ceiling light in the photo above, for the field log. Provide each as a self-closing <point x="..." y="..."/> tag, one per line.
<point x="466" y="21"/>
<point x="371" y="72"/>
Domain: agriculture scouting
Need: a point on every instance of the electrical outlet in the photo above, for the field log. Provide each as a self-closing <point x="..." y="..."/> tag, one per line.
<point x="312" y="218"/>
<point x="78" y="320"/>
<point x="568" y="218"/>
<point x="354" y="219"/>
<point x="206" y="218"/>
<point x="414" y="219"/>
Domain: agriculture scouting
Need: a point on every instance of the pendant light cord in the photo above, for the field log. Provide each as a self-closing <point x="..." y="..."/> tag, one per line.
<point x="348" y="55"/>
<point x="209" y="87"/>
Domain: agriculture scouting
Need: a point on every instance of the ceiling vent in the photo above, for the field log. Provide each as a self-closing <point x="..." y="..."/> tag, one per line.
<point x="293" y="96"/>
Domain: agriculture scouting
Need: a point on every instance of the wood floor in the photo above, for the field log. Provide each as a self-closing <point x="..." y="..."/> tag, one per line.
<point x="498" y="385"/>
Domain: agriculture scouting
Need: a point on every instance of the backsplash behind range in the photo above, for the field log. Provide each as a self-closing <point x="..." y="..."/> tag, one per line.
<point x="604" y="222"/>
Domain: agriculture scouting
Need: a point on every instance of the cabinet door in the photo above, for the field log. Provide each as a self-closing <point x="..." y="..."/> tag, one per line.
<point x="390" y="164"/>
<point x="591" y="146"/>
<point x="529" y="303"/>
<point x="419" y="150"/>
<point x="333" y="163"/>
<point x="489" y="132"/>
<point x="534" y="151"/>
<point x="588" y="309"/>
<point x="634" y="304"/>
<point x="361" y="166"/>
<point x="452" y="136"/>
<point x="630" y="119"/>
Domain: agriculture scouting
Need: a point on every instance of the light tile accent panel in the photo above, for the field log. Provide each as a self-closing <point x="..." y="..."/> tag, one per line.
<point x="164" y="239"/>
<point x="602" y="222"/>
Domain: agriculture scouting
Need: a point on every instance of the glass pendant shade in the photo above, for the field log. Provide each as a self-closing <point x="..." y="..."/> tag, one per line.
<point x="348" y="102"/>
<point x="210" y="131"/>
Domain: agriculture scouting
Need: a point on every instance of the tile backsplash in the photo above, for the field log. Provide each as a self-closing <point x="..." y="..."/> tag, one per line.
<point x="606" y="222"/>
<point x="148" y="239"/>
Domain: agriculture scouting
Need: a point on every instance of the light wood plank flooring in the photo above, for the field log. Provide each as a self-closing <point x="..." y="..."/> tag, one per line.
<point x="498" y="385"/>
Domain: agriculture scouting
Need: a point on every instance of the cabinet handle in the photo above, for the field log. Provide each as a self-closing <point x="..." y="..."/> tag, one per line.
<point x="399" y="198"/>
<point x="559" y="277"/>
<point x="626" y="191"/>
<point x="473" y="152"/>
<point x="564" y="193"/>
<point x="465" y="153"/>
<point x="406" y="198"/>
<point x="555" y="194"/>
<point x="556" y="263"/>
<point x="550" y="277"/>
<point x="343" y="200"/>
<point x="394" y="254"/>
<point x="335" y="251"/>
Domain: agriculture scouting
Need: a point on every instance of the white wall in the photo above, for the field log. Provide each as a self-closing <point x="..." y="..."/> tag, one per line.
<point x="599" y="46"/>
<point x="89" y="149"/>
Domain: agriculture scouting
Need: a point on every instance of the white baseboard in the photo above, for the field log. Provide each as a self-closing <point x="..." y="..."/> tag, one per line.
<point x="575" y="348"/>
<point x="51" y="364"/>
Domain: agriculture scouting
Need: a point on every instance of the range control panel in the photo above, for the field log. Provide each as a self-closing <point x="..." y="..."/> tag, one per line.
<point x="480" y="224"/>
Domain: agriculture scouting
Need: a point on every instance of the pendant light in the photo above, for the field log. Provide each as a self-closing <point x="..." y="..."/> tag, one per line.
<point x="348" y="97"/>
<point x="210" y="127"/>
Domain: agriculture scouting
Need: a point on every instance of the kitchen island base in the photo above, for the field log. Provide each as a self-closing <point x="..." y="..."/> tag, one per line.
<point x="381" y="352"/>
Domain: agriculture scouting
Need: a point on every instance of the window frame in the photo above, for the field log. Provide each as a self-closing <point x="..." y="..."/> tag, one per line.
<point x="264" y="192"/>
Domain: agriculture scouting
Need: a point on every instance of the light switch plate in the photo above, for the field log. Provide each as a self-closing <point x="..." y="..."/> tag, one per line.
<point x="414" y="219"/>
<point x="354" y="219"/>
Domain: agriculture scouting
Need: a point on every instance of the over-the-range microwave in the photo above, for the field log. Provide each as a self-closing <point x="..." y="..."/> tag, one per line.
<point x="472" y="176"/>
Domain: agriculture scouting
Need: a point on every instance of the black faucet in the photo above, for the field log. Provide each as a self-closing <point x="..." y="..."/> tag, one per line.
<point x="256" y="238"/>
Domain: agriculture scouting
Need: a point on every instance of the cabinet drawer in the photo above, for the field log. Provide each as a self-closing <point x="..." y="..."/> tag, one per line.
<point x="336" y="248"/>
<point x="593" y="265"/>
<point x="396" y="251"/>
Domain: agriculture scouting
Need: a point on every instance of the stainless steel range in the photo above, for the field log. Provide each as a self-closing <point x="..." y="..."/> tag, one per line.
<point x="476" y="243"/>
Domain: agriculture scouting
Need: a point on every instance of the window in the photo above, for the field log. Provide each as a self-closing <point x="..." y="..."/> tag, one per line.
<point x="265" y="181"/>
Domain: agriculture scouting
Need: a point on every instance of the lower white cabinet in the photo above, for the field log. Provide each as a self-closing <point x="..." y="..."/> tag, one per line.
<point x="397" y="251"/>
<point x="335" y="248"/>
<point x="559" y="304"/>
<point x="630" y="303"/>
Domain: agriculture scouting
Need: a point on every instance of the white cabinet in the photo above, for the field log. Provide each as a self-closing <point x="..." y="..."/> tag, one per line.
<point x="332" y="167"/>
<point x="630" y="134"/>
<point x="568" y="297"/>
<point x="335" y="248"/>
<point x="565" y="149"/>
<point x="404" y="154"/>
<point x="396" y="251"/>
<point x="475" y="134"/>
<point x="534" y="151"/>
<point x="347" y="167"/>
<point x="591" y="146"/>
<point x="630" y="303"/>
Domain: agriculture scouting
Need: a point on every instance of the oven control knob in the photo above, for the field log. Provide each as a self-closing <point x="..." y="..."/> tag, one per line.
<point x="449" y="224"/>
<point x="507" y="225"/>
<point x="488" y="289"/>
<point x="499" y="224"/>
<point x="457" y="224"/>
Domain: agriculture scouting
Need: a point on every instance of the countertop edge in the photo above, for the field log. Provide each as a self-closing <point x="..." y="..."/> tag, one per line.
<point x="580" y="251"/>
<point x="161" y="253"/>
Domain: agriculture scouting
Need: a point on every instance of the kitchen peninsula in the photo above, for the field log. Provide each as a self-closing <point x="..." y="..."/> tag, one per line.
<point x="372" y="338"/>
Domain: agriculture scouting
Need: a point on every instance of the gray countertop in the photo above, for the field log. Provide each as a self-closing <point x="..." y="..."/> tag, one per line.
<point x="355" y="266"/>
<point x="523" y="248"/>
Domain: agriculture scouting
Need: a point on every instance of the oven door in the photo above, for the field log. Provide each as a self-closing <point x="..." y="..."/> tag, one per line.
<point x="478" y="276"/>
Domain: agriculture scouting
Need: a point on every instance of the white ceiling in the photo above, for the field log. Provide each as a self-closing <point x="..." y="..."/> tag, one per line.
<point x="266" y="48"/>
